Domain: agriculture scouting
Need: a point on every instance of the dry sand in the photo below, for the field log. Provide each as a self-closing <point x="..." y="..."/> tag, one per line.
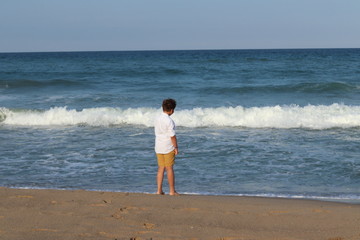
<point x="62" y="215"/>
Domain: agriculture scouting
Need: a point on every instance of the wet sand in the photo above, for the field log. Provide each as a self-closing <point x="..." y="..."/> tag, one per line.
<point x="72" y="215"/>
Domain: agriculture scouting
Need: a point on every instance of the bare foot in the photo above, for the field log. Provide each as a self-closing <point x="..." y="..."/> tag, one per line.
<point x="160" y="193"/>
<point x="174" y="194"/>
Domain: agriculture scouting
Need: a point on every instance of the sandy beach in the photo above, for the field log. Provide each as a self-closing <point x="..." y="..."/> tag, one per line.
<point x="57" y="214"/>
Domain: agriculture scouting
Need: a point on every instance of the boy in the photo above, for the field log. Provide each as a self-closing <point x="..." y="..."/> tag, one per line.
<point x="166" y="146"/>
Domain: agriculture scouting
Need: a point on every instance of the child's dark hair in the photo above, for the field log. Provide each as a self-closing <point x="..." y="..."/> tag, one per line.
<point x="168" y="104"/>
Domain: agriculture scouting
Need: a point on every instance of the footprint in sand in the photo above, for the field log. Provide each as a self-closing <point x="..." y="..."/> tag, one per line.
<point x="149" y="225"/>
<point x="117" y="215"/>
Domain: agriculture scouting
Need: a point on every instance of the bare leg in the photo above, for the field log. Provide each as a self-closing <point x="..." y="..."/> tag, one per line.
<point x="171" y="179"/>
<point x="159" y="179"/>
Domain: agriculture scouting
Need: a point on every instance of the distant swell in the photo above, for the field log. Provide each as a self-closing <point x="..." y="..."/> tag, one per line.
<point x="311" y="117"/>
<point x="27" y="83"/>
<point x="332" y="87"/>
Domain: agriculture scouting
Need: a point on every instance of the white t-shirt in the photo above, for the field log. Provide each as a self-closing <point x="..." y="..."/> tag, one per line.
<point x="164" y="130"/>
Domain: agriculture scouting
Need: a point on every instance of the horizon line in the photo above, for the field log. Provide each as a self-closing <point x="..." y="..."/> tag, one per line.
<point x="174" y="50"/>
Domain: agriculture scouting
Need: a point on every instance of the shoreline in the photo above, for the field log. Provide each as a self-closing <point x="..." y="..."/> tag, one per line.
<point x="79" y="214"/>
<point x="331" y="199"/>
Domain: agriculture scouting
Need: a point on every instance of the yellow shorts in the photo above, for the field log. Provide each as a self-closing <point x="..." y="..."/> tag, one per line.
<point x="166" y="160"/>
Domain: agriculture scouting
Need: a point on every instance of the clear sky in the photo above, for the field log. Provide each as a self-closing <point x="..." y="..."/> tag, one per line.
<point x="92" y="25"/>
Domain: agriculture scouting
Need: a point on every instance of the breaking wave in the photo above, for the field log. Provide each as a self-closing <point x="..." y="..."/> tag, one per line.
<point x="285" y="117"/>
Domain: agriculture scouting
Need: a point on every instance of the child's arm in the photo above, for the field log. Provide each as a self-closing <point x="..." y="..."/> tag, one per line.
<point x="174" y="143"/>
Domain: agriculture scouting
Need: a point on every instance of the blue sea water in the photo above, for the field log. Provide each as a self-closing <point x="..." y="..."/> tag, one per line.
<point x="277" y="123"/>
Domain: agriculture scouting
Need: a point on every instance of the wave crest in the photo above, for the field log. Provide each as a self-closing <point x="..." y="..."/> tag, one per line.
<point x="293" y="116"/>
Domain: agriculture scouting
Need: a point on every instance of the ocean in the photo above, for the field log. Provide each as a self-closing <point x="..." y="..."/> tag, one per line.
<point x="270" y="123"/>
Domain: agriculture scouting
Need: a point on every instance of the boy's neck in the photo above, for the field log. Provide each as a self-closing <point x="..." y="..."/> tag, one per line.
<point x="169" y="112"/>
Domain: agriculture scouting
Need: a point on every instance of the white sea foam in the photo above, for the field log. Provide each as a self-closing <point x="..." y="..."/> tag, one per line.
<point x="61" y="116"/>
<point x="312" y="117"/>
